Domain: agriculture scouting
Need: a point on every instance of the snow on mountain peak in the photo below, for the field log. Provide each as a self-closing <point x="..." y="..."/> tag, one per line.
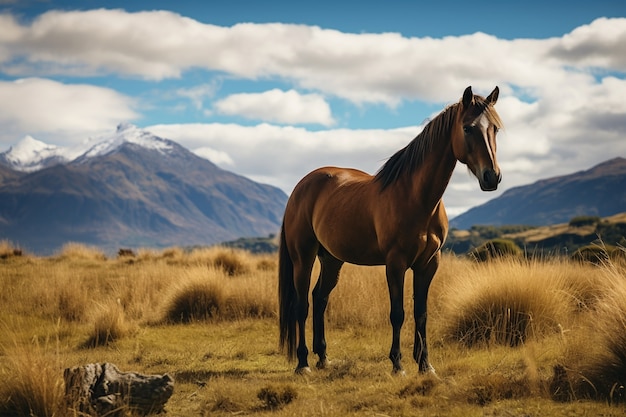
<point x="29" y="154"/>
<point x="127" y="133"/>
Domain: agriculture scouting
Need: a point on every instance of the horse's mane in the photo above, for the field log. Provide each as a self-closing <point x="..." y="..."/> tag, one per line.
<point x="412" y="155"/>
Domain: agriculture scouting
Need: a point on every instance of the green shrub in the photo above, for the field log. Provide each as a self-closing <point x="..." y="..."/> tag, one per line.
<point x="580" y="221"/>
<point x="496" y="248"/>
<point x="596" y="254"/>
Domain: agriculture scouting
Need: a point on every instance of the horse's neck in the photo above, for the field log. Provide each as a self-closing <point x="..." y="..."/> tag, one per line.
<point x="429" y="180"/>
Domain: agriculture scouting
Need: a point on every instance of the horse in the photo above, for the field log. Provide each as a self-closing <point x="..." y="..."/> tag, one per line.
<point x="394" y="218"/>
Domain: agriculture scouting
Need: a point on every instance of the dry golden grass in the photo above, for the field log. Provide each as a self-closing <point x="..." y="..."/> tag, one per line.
<point x="498" y="330"/>
<point x="510" y="301"/>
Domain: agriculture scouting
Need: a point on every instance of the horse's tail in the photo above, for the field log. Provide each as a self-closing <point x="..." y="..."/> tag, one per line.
<point x="287" y="298"/>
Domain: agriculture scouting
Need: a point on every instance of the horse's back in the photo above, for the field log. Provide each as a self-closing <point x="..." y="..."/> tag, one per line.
<point x="333" y="206"/>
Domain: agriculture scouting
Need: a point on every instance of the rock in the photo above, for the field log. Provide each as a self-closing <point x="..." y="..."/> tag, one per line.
<point x="101" y="389"/>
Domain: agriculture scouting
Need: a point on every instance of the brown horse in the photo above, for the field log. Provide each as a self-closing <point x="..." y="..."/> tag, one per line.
<point x="395" y="218"/>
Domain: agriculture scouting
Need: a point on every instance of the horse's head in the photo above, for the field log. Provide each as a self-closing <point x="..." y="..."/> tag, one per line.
<point x="474" y="137"/>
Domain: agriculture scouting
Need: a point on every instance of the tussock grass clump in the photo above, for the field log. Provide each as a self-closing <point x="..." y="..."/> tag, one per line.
<point x="195" y="301"/>
<point x="208" y="294"/>
<point x="7" y="250"/>
<point x="73" y="303"/>
<point x="79" y="251"/>
<point x="232" y="262"/>
<point x="31" y="382"/>
<point x="505" y="302"/>
<point x="109" y="326"/>
<point x="596" y="355"/>
<point x="275" y="398"/>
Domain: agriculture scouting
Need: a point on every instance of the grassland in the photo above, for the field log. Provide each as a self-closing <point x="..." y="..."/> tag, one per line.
<point x="508" y="337"/>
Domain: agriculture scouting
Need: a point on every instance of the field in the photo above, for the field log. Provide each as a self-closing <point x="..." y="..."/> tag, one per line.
<point x="508" y="337"/>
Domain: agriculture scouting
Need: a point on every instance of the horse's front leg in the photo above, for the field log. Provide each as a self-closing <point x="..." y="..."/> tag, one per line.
<point x="421" y="282"/>
<point x="395" y="282"/>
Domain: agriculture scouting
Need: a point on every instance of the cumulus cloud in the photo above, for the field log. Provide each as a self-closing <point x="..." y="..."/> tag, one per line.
<point x="198" y="94"/>
<point x="285" y="153"/>
<point x="376" y="68"/>
<point x="44" y="107"/>
<point x="289" y="107"/>
<point x="601" y="44"/>
<point x="562" y="98"/>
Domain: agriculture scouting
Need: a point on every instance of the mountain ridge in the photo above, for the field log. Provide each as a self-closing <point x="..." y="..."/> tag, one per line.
<point x="134" y="190"/>
<point x="598" y="191"/>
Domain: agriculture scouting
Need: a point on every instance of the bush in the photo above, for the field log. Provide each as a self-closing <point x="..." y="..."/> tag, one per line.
<point x="580" y="221"/>
<point x="496" y="248"/>
<point x="596" y="254"/>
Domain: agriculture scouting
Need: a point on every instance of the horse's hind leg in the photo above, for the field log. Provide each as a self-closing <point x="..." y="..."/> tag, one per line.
<point x="329" y="275"/>
<point x="302" y="266"/>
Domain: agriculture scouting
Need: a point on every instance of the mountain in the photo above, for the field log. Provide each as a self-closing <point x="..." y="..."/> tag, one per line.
<point x="599" y="191"/>
<point x="134" y="189"/>
<point x="30" y="155"/>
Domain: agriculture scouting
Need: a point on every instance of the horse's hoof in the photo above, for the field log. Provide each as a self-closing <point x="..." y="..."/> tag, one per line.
<point x="429" y="370"/>
<point x="305" y="370"/>
<point x="322" y="364"/>
<point x="398" y="372"/>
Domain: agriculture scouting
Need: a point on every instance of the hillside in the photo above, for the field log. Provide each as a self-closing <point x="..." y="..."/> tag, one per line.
<point x="556" y="239"/>
<point x="134" y="190"/>
<point x="599" y="191"/>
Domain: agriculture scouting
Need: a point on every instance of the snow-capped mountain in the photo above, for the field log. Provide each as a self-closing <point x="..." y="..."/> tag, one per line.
<point x="127" y="133"/>
<point x="129" y="189"/>
<point x="30" y="155"/>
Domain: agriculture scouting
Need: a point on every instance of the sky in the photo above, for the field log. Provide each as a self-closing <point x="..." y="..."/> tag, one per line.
<point x="274" y="89"/>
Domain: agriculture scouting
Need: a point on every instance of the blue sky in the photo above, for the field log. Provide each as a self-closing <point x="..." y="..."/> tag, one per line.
<point x="272" y="90"/>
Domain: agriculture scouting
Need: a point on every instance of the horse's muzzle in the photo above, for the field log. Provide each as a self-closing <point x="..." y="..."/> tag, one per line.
<point x="489" y="180"/>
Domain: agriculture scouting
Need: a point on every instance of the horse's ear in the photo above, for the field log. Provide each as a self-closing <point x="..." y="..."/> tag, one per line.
<point x="468" y="97"/>
<point x="493" y="97"/>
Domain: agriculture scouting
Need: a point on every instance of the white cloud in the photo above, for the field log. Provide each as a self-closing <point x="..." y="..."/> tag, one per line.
<point x="562" y="99"/>
<point x="384" y="68"/>
<point x="43" y="107"/>
<point x="217" y="157"/>
<point x="283" y="154"/>
<point x="288" y="107"/>
<point x="600" y="44"/>
<point x="198" y="94"/>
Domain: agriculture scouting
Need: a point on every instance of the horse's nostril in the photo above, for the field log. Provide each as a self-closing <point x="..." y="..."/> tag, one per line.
<point x="490" y="177"/>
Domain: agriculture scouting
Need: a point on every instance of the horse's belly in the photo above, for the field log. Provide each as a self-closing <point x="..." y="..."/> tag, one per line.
<point x="355" y="248"/>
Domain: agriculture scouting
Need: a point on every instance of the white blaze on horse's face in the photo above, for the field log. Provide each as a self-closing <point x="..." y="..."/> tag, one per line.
<point x="482" y="123"/>
<point x="481" y="141"/>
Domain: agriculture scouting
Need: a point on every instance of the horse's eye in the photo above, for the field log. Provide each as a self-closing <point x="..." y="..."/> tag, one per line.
<point x="467" y="130"/>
